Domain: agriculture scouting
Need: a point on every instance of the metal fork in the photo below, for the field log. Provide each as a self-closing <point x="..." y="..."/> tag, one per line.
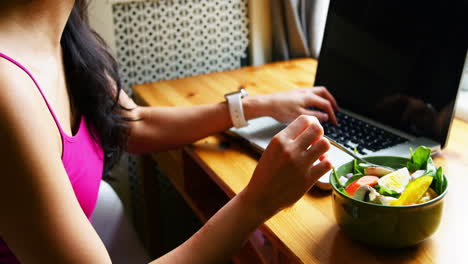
<point x="342" y="148"/>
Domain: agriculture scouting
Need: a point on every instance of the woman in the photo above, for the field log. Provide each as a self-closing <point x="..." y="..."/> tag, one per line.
<point x="64" y="115"/>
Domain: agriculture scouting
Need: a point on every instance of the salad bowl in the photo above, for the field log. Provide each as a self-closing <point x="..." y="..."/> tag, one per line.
<point x="385" y="226"/>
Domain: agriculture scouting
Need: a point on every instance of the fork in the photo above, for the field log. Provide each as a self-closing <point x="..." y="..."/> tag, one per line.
<point x="342" y="148"/>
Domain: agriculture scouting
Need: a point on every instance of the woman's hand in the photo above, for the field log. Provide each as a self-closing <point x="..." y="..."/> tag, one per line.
<point x="286" y="170"/>
<point x="287" y="106"/>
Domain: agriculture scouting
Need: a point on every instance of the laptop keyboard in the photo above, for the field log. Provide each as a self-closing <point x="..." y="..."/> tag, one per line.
<point x="354" y="133"/>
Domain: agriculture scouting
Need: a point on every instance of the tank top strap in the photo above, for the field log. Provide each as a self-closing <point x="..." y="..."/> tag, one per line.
<point x="38" y="87"/>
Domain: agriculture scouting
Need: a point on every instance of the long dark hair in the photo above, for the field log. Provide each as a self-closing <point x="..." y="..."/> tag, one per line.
<point x="91" y="74"/>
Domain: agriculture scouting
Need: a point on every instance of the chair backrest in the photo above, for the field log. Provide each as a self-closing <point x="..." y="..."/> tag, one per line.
<point x="167" y="39"/>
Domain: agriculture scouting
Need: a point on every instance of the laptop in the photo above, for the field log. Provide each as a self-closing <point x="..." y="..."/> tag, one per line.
<point x="394" y="68"/>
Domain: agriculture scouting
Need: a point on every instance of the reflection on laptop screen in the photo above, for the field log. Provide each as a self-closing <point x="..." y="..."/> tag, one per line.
<point x="398" y="62"/>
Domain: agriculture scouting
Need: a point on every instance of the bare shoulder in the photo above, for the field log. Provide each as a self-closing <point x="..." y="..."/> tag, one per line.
<point x="16" y="87"/>
<point x="11" y="72"/>
<point x="21" y="102"/>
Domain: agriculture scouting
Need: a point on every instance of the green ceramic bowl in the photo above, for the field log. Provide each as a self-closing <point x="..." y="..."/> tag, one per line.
<point x="385" y="226"/>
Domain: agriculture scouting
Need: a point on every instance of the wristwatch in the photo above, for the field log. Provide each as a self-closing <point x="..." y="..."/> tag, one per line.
<point x="234" y="101"/>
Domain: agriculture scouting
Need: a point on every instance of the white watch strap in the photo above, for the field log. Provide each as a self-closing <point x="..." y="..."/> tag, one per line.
<point x="236" y="110"/>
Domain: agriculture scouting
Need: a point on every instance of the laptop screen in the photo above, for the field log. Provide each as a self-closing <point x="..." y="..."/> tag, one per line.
<point x="397" y="62"/>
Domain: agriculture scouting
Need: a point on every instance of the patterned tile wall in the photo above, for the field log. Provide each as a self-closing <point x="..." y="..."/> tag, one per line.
<point x="167" y="39"/>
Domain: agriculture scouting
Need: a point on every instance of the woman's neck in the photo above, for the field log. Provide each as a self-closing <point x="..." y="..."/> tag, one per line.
<point x="40" y="23"/>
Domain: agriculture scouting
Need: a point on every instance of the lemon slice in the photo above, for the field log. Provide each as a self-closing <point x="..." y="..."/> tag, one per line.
<point x="415" y="191"/>
<point x="396" y="181"/>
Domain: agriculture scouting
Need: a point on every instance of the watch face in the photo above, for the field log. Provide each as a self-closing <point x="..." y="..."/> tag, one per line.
<point x="243" y="93"/>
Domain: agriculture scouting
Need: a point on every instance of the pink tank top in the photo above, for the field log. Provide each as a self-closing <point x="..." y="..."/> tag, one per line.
<point x="83" y="160"/>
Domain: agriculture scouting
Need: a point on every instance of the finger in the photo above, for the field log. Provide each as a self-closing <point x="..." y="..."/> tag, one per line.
<point x="309" y="136"/>
<point x="319" y="170"/>
<point x="324" y="156"/>
<point x="324" y="105"/>
<point x="318" y="149"/>
<point x="297" y="126"/>
<point x="321" y="116"/>
<point x="323" y="92"/>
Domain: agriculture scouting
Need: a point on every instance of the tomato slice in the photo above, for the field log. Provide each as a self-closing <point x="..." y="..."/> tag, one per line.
<point x="364" y="180"/>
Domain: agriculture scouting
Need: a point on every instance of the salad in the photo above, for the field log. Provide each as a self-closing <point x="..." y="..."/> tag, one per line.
<point x="419" y="182"/>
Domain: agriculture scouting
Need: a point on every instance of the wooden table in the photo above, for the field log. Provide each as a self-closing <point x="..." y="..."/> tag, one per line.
<point x="214" y="169"/>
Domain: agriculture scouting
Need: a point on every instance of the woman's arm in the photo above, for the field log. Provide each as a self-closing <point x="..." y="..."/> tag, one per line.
<point x="41" y="219"/>
<point x="163" y="128"/>
<point x="287" y="162"/>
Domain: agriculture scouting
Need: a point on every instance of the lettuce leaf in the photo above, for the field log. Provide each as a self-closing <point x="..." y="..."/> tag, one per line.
<point x="337" y="180"/>
<point x="419" y="159"/>
<point x="386" y="192"/>
<point x="439" y="183"/>
<point x="430" y="165"/>
<point x="357" y="168"/>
